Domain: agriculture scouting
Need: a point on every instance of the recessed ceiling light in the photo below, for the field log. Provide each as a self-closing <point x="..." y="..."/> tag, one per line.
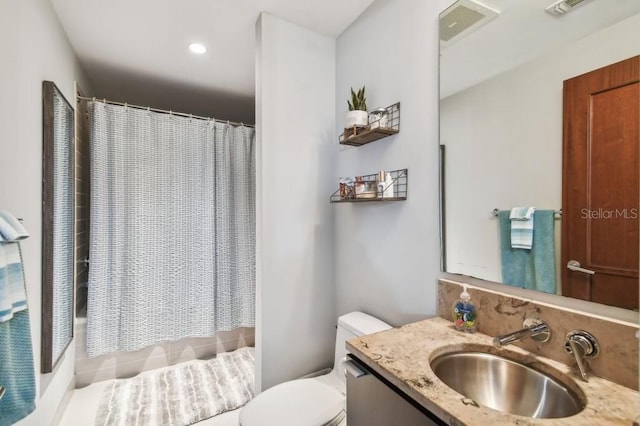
<point x="197" y="48"/>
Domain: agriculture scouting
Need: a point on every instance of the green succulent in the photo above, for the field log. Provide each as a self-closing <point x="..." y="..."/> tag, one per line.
<point x="358" y="100"/>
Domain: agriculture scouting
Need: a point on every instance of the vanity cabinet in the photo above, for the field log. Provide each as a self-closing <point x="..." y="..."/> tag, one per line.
<point x="373" y="401"/>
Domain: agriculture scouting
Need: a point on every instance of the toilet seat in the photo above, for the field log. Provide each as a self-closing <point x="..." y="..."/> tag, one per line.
<point x="295" y="403"/>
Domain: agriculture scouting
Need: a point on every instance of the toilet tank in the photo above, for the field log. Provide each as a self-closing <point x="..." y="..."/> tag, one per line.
<point x="359" y="323"/>
<point x="352" y="325"/>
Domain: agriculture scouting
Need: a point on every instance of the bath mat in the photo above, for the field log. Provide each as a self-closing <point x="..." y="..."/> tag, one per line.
<point x="182" y="394"/>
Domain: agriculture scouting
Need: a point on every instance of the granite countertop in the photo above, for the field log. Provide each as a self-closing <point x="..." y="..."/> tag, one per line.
<point x="402" y="356"/>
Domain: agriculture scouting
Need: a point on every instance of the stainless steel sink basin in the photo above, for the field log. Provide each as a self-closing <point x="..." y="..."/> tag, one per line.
<point x="507" y="385"/>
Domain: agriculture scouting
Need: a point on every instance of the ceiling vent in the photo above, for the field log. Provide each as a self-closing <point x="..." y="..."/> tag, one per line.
<point x="463" y="17"/>
<point x="561" y="7"/>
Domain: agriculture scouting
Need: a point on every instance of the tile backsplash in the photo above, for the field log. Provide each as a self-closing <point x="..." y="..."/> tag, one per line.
<point x="500" y="313"/>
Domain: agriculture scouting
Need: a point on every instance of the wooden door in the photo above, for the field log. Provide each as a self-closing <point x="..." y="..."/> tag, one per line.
<point x="600" y="184"/>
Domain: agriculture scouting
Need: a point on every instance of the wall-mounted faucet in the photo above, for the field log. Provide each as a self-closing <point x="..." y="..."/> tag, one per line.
<point x="534" y="328"/>
<point x="582" y="345"/>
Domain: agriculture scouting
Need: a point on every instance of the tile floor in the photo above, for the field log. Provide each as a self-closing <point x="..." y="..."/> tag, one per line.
<point x="83" y="406"/>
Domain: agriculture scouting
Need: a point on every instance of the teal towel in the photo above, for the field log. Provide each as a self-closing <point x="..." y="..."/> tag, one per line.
<point x="17" y="374"/>
<point x="16" y="369"/>
<point x="13" y="296"/>
<point x="533" y="269"/>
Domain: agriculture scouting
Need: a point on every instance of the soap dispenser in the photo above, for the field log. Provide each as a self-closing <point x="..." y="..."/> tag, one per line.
<point x="464" y="313"/>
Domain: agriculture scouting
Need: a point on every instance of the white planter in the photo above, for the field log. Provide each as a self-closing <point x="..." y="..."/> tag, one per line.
<point x="356" y="118"/>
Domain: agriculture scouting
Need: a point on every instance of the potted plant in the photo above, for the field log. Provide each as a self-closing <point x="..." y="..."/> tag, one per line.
<point x="357" y="115"/>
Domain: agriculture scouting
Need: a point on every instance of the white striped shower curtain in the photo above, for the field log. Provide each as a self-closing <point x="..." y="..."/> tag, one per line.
<point x="172" y="228"/>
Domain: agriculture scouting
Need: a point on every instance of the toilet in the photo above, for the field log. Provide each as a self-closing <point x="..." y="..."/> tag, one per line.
<point x="314" y="401"/>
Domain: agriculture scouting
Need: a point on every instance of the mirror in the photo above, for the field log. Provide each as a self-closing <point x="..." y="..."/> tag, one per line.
<point x="57" y="225"/>
<point x="501" y="115"/>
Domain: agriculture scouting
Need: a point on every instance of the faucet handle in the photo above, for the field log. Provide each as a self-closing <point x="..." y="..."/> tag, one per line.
<point x="585" y="340"/>
<point x="582" y="345"/>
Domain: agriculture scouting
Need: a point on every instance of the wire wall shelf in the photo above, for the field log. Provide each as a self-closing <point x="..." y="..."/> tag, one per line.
<point x="382" y="123"/>
<point x="372" y="188"/>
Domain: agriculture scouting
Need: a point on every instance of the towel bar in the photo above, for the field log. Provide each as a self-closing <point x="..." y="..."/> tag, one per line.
<point x="1" y="391"/>
<point x="494" y="212"/>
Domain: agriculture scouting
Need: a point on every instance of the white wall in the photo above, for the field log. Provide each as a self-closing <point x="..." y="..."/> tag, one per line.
<point x="516" y="115"/>
<point x="387" y="254"/>
<point x="34" y="48"/>
<point x="295" y="86"/>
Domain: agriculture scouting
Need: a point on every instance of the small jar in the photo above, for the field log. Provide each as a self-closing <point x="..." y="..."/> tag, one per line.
<point x="378" y="118"/>
<point x="369" y="190"/>
<point x="359" y="186"/>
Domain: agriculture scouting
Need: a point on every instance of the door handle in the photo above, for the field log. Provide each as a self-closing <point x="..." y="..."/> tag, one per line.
<point x="574" y="265"/>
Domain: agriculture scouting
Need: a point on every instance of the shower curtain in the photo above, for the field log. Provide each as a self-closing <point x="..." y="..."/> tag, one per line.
<point x="172" y="228"/>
